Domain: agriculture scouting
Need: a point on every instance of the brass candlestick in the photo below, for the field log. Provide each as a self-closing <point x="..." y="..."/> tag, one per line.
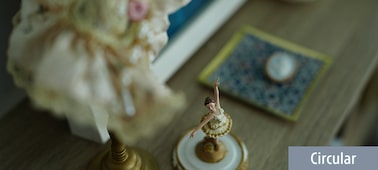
<point x="121" y="157"/>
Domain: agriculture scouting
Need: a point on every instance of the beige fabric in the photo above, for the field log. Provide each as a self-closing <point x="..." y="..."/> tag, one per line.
<point x="75" y="56"/>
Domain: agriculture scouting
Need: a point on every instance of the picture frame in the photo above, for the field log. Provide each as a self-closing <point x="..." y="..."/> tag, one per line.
<point x="182" y="46"/>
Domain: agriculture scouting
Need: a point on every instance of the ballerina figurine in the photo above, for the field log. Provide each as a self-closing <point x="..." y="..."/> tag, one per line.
<point x="216" y="150"/>
<point x="214" y="124"/>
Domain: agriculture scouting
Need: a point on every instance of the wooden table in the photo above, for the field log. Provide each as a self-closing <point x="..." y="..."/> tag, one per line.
<point x="343" y="29"/>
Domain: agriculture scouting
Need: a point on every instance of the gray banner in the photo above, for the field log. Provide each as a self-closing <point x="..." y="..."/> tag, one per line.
<point x="333" y="158"/>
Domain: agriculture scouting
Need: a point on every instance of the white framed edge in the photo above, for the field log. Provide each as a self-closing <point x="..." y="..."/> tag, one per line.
<point x="182" y="47"/>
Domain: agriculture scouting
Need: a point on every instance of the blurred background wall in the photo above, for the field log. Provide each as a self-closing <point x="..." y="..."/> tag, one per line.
<point x="9" y="94"/>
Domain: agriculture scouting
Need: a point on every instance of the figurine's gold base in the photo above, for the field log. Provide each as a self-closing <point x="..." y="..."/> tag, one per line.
<point x="209" y="152"/>
<point x="137" y="159"/>
<point x="120" y="157"/>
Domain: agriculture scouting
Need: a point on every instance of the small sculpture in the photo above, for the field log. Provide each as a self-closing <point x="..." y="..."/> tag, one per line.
<point x="214" y="147"/>
<point x="214" y="124"/>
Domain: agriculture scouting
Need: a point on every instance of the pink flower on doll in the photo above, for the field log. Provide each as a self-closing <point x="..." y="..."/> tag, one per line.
<point x="137" y="10"/>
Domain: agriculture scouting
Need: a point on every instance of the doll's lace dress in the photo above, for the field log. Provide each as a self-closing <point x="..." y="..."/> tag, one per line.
<point x="77" y="58"/>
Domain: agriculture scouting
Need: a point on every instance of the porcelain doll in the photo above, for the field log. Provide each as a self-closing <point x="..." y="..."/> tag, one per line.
<point x="76" y="56"/>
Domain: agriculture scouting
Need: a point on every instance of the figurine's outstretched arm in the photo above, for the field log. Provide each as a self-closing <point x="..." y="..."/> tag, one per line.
<point x="216" y="92"/>
<point x="203" y="123"/>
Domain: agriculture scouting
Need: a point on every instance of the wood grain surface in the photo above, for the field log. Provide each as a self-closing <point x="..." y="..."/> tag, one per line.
<point x="344" y="29"/>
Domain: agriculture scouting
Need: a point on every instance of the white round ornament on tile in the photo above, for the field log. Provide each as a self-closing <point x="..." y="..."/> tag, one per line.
<point x="281" y="67"/>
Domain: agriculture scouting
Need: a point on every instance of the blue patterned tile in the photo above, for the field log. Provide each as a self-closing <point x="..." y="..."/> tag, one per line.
<point x="242" y="75"/>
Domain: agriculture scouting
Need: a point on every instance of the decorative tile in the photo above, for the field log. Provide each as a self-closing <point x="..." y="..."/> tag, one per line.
<point x="240" y="67"/>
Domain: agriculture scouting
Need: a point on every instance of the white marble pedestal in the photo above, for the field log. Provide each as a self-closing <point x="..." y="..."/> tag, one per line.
<point x="184" y="156"/>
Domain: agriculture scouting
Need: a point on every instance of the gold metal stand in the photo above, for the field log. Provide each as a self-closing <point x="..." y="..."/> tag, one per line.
<point x="120" y="157"/>
<point x="210" y="152"/>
